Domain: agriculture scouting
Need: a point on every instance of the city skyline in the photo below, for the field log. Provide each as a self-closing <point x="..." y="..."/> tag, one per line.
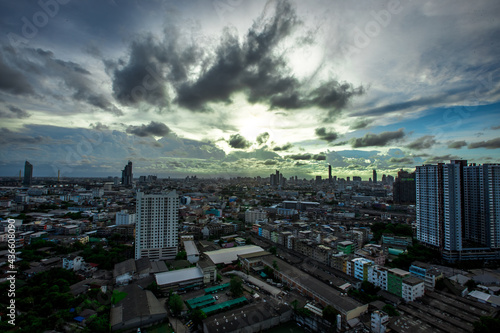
<point x="244" y="88"/>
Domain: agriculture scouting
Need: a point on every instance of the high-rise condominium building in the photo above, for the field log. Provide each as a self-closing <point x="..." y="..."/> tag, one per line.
<point x="156" y="229"/>
<point x="28" y="174"/>
<point x="458" y="209"/>
<point x="374" y="176"/>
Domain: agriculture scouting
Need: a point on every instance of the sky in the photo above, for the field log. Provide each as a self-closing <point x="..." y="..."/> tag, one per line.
<point x="243" y="88"/>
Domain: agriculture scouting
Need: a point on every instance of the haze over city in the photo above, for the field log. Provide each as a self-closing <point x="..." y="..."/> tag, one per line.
<point x="241" y="88"/>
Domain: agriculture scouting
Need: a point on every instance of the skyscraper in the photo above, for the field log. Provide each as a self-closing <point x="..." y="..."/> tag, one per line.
<point x="482" y="204"/>
<point x="156" y="231"/>
<point x="374" y="176"/>
<point x="127" y="176"/>
<point x="330" y="173"/>
<point x="458" y="209"/>
<point x="429" y="204"/>
<point x="28" y="174"/>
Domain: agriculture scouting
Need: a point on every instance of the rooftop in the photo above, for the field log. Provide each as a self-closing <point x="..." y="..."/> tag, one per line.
<point x="227" y="256"/>
<point x="178" y="276"/>
<point x="190" y="247"/>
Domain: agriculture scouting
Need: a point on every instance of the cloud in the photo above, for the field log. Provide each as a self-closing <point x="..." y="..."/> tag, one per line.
<point x="377" y="140"/>
<point x="304" y="157"/>
<point x="401" y="160"/>
<point x="299" y="156"/>
<point x="257" y="68"/>
<point x="238" y="142"/>
<point x="262" y="138"/>
<point x="152" y="129"/>
<point x="285" y="147"/>
<point x="14" y="112"/>
<point x="360" y="123"/>
<point x="457" y="144"/>
<point x="490" y="144"/>
<point x="49" y="76"/>
<point x="328" y="136"/>
<point x="495" y="127"/>
<point x="270" y="162"/>
<point x="442" y="158"/>
<point x="319" y="157"/>
<point x="424" y="142"/>
<point x="99" y="126"/>
<point x="13" y="81"/>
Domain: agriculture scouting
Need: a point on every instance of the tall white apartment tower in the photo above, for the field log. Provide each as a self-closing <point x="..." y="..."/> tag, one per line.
<point x="452" y="206"/>
<point x="482" y="204"/>
<point x="428" y="179"/>
<point x="156" y="229"/>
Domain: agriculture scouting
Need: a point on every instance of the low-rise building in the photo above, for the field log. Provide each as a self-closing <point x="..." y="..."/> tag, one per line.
<point x="379" y="321"/>
<point x="412" y="288"/>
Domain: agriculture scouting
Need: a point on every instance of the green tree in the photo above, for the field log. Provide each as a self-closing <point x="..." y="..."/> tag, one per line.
<point x="236" y="286"/>
<point x="197" y="316"/>
<point x="175" y="303"/>
<point x="294" y="304"/>
<point x="275" y="265"/>
<point x="330" y="314"/>
<point x="390" y="310"/>
<point x="273" y="250"/>
<point x="181" y="255"/>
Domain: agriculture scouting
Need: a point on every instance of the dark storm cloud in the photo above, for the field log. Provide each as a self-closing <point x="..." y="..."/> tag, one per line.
<point x="377" y="140"/>
<point x="303" y="157"/>
<point x="299" y="156"/>
<point x="42" y="69"/>
<point x="13" y="81"/>
<point x="152" y="129"/>
<point x="99" y="126"/>
<point x="256" y="68"/>
<point x="457" y="144"/>
<point x="328" y="136"/>
<point x="424" y="142"/>
<point x="490" y="144"/>
<point x="360" y="124"/>
<point x="270" y="162"/>
<point x="262" y="138"/>
<point x="283" y="148"/>
<point x="14" y="112"/>
<point x="401" y="160"/>
<point x="442" y="158"/>
<point x="238" y="142"/>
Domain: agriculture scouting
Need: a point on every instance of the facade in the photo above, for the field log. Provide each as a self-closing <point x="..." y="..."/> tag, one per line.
<point x="429" y="200"/>
<point x="404" y="191"/>
<point x="395" y="277"/>
<point x="347" y="247"/>
<point x="124" y="218"/>
<point x="427" y="273"/>
<point x="379" y="321"/>
<point x="28" y="174"/>
<point x="252" y="216"/>
<point x="360" y="268"/>
<point x="156" y="226"/>
<point x="412" y="288"/>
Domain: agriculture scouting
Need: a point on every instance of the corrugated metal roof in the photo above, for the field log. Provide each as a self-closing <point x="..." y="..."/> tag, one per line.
<point x="227" y="256"/>
<point x="178" y="275"/>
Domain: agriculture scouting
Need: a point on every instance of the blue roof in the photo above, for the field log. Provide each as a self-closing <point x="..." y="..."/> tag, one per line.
<point x="79" y="319"/>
